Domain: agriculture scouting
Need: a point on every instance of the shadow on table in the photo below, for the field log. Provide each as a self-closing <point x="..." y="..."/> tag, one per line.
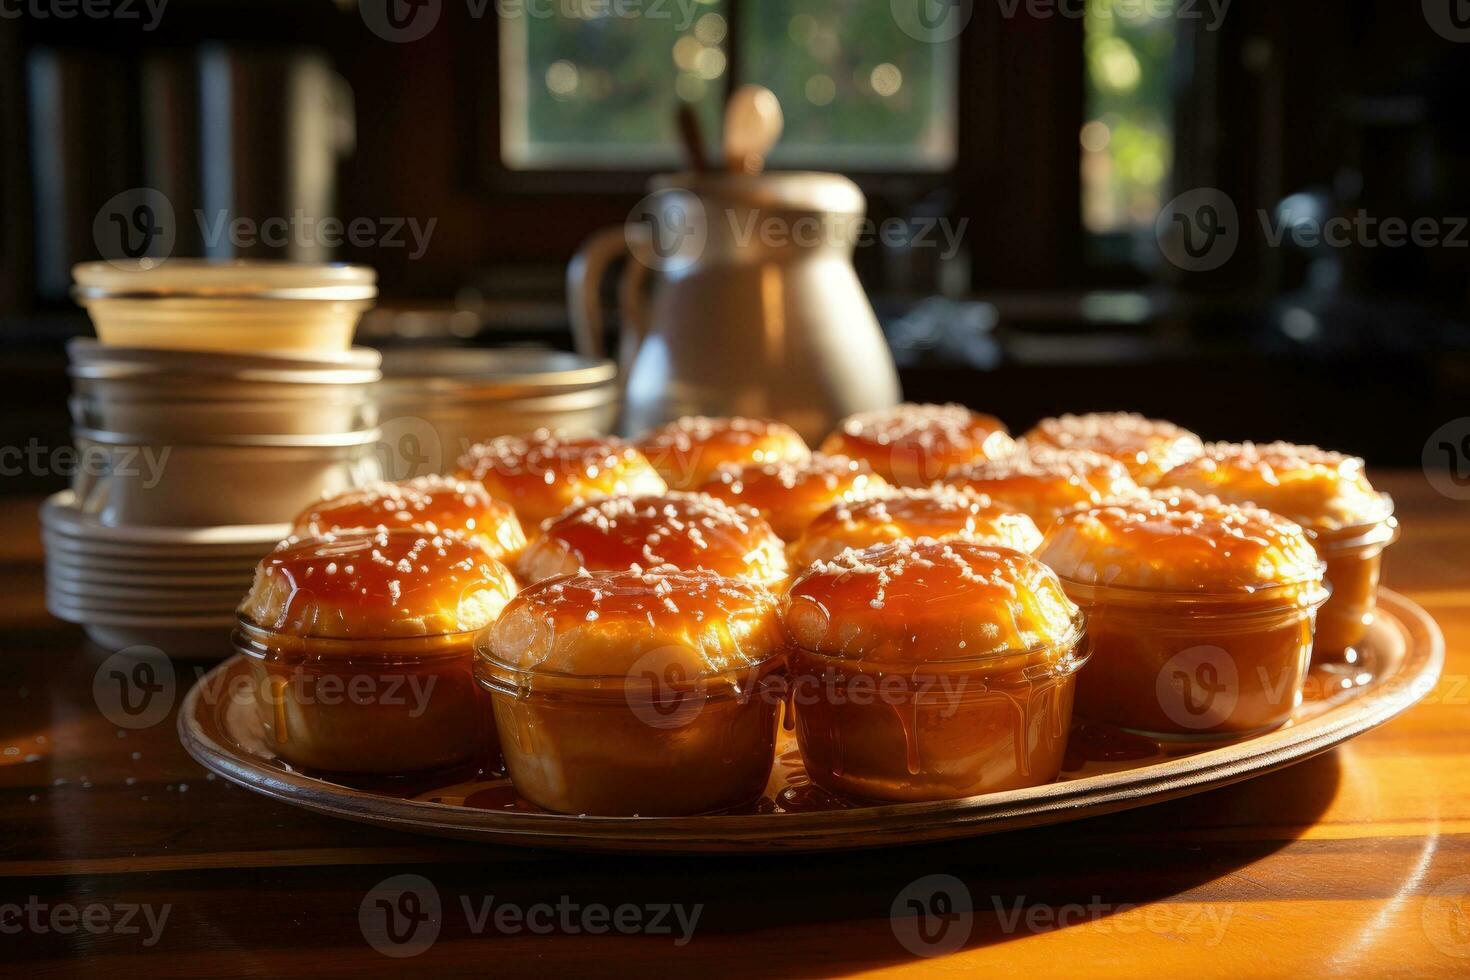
<point x="798" y="915"/>
<point x="934" y="899"/>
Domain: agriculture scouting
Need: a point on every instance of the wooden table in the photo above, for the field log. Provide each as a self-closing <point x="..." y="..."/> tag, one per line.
<point x="1356" y="862"/>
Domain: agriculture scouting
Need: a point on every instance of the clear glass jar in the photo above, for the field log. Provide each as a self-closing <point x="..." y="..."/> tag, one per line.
<point x="234" y="306"/>
<point x="655" y="742"/>
<point x="1354" y="557"/>
<point x="1196" y="666"/>
<point x="383" y="707"/>
<point x="944" y="729"/>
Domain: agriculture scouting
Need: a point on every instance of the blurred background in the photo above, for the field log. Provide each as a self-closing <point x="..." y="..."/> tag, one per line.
<point x="1044" y="157"/>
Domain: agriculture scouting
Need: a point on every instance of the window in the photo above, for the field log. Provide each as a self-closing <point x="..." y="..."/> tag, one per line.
<point x="1128" y="139"/>
<point x="593" y="84"/>
<point x="855" y="88"/>
<point x="585" y="87"/>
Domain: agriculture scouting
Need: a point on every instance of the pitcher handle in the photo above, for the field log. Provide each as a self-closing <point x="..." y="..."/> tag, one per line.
<point x="633" y="293"/>
<point x="584" y="288"/>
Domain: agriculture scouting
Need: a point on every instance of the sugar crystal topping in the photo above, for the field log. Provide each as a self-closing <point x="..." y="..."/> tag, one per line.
<point x="927" y="599"/>
<point x="547" y="451"/>
<point x="1316" y="487"/>
<point x="604" y="623"/>
<point x="362" y="582"/>
<point x="680" y="530"/>
<point x="429" y="503"/>
<point x="939" y="511"/>
<point x="1047" y="462"/>
<point x="824" y="471"/>
<point x="1116" y="434"/>
<point x="692" y="431"/>
<point x="1179" y="540"/>
<point x="543" y="473"/>
<point x="932" y="427"/>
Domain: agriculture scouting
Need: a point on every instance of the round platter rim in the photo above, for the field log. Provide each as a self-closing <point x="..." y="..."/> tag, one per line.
<point x="881" y="825"/>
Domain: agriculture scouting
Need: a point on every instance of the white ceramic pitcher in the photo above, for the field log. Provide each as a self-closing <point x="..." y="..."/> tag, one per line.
<point x="756" y="309"/>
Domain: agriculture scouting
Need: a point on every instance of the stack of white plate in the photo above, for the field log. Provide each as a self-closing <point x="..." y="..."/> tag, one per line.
<point x="191" y="465"/>
<point x="171" y="588"/>
<point x="173" y="438"/>
<point x="220" y="399"/>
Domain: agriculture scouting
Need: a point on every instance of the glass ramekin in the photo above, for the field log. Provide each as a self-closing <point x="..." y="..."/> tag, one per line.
<point x="1354" y="557"/>
<point x="656" y="742"/>
<point x="235" y="306"/>
<point x="937" y="730"/>
<point x="369" y="706"/>
<point x="1196" y="666"/>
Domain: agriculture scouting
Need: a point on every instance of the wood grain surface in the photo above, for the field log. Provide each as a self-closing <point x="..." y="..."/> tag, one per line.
<point x="120" y="857"/>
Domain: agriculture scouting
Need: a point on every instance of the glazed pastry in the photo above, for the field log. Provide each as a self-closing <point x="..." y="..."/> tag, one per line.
<point x="361" y="645"/>
<point x="914" y="445"/>
<point x="1200" y="612"/>
<point x="968" y="654"/>
<point x="790" y="495"/>
<point x="429" y="503"/>
<point x="1328" y="493"/>
<point x="1042" y="482"/>
<point x="686" y="452"/>
<point x="544" y="473"/>
<point x="676" y="530"/>
<point x="636" y="693"/>
<point x="938" y="512"/>
<point x="1311" y="486"/>
<point x="1148" y="447"/>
